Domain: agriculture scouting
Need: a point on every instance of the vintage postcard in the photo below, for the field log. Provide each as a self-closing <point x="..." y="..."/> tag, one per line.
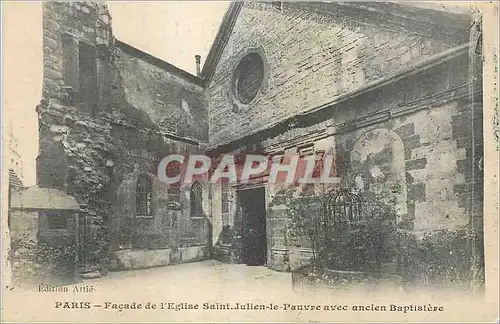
<point x="254" y="161"/>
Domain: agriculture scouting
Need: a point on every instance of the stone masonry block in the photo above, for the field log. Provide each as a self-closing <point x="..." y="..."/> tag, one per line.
<point x="52" y="24"/>
<point x="463" y="166"/>
<point x="405" y="130"/>
<point x="409" y="178"/>
<point x="406" y="224"/>
<point x="463" y="142"/>
<point x="412" y="142"/>
<point x="50" y="42"/>
<point x="407" y="154"/>
<point x="461" y="126"/>
<point x="52" y="74"/>
<point x="417" y="192"/>
<point x="416" y="164"/>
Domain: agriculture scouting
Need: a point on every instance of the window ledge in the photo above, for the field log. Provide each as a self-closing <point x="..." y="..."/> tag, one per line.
<point x="56" y="231"/>
<point x="144" y="216"/>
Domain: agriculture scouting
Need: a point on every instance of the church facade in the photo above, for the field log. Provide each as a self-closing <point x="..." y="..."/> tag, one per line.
<point x="393" y="92"/>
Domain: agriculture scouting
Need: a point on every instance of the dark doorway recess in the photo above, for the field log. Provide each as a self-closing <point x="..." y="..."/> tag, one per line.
<point x="253" y="218"/>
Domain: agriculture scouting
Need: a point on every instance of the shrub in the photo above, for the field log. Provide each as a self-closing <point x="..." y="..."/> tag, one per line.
<point x="443" y="257"/>
<point x="404" y="248"/>
<point x="359" y="247"/>
<point x="446" y="257"/>
<point x="365" y="245"/>
<point x="306" y="221"/>
<point x="32" y="261"/>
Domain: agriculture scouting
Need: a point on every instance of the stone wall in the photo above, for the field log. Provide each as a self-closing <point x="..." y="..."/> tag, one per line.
<point x="391" y="101"/>
<point x="313" y="58"/>
<point x="23" y="225"/>
<point x="109" y="112"/>
<point x="146" y="93"/>
<point x="415" y="148"/>
<point x="73" y="132"/>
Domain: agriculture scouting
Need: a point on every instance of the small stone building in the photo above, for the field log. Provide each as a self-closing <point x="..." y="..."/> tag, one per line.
<point x="44" y="227"/>
<point x="391" y="90"/>
<point x="44" y="215"/>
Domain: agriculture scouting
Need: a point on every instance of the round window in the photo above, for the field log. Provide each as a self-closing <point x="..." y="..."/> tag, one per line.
<point x="249" y="75"/>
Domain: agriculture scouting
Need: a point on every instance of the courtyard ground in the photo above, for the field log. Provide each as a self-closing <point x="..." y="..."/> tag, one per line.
<point x="207" y="279"/>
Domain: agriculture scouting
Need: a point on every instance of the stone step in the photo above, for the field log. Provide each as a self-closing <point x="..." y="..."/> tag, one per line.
<point x="90" y="275"/>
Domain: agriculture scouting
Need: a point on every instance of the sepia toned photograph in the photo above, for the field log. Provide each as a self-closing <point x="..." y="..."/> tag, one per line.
<point x="222" y="161"/>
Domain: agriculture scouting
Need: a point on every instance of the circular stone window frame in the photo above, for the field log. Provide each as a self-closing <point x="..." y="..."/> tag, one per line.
<point x="238" y="106"/>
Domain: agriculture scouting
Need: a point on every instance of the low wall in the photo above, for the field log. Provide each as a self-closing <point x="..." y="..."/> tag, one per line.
<point x="279" y="260"/>
<point x="193" y="253"/>
<point x="143" y="259"/>
<point x="227" y="253"/>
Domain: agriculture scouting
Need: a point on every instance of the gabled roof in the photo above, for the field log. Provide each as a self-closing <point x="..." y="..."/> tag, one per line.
<point x="135" y="52"/>
<point x="36" y="199"/>
<point x="14" y="181"/>
<point x="220" y="41"/>
<point x="411" y="18"/>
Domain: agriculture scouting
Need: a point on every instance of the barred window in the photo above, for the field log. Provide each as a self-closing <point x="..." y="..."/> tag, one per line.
<point x="173" y="170"/>
<point x="144" y="195"/>
<point x="196" y="200"/>
<point x="225" y="197"/>
<point x="56" y="220"/>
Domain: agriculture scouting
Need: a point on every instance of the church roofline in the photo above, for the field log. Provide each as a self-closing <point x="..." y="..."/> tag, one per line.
<point x="14" y="180"/>
<point x="431" y="22"/>
<point x="220" y="41"/>
<point x="424" y="21"/>
<point x="159" y="63"/>
<point x="270" y="130"/>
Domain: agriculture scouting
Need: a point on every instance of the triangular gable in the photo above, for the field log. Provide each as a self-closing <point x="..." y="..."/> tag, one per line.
<point x="220" y="41"/>
<point x="36" y="198"/>
<point x="439" y="23"/>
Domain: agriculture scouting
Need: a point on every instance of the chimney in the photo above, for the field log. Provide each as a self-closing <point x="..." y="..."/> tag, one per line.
<point x="198" y="60"/>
